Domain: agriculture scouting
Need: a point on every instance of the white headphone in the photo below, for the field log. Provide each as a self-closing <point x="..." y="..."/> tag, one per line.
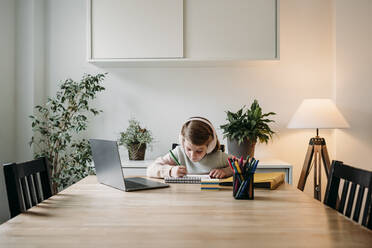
<point x="212" y="144"/>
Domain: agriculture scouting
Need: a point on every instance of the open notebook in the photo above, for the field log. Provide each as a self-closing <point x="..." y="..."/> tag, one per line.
<point x="191" y="178"/>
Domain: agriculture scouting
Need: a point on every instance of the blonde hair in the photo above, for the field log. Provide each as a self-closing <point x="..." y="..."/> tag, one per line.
<point x="199" y="133"/>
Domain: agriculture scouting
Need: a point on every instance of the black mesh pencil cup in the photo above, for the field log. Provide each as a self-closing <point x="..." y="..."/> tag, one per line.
<point x="243" y="187"/>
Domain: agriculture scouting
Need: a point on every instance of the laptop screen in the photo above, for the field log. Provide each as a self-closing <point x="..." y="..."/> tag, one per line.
<point x="107" y="163"/>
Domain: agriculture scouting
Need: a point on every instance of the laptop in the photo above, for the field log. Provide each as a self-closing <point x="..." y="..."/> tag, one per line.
<point x="107" y="163"/>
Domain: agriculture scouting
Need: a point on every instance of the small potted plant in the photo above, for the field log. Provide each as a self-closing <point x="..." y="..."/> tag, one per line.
<point x="135" y="139"/>
<point x="245" y="128"/>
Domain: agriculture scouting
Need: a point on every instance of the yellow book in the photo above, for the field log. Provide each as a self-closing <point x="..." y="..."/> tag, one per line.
<point x="261" y="180"/>
<point x="268" y="180"/>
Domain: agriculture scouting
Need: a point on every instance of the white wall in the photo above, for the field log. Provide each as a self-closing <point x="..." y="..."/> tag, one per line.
<point x="30" y="89"/>
<point x="162" y="98"/>
<point x="22" y="80"/>
<point x="7" y="95"/>
<point x="353" y="39"/>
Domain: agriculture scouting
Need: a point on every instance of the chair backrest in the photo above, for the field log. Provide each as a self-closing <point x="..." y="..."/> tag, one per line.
<point x="358" y="178"/>
<point x="27" y="184"/>
<point x="222" y="147"/>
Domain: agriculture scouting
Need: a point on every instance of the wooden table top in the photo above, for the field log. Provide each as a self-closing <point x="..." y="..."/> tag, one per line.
<point x="89" y="214"/>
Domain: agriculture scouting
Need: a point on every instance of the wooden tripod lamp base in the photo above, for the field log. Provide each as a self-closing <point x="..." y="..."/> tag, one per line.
<point x="316" y="155"/>
<point x="316" y="113"/>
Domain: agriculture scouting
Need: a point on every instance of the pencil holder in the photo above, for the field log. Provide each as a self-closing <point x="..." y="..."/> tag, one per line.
<point x="243" y="186"/>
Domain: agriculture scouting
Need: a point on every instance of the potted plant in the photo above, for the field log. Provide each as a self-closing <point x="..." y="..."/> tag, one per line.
<point x="245" y="128"/>
<point x="135" y="139"/>
<point x="58" y="126"/>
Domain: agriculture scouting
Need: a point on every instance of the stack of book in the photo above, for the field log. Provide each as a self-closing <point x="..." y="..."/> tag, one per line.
<point x="216" y="184"/>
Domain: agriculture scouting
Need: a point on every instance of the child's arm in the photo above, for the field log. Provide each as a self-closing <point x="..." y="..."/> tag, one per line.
<point x="164" y="167"/>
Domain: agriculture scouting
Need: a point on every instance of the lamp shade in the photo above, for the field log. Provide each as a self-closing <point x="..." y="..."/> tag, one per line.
<point x="318" y="113"/>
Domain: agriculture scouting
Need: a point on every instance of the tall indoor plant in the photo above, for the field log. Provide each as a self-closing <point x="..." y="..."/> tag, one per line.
<point x="135" y="139"/>
<point x="58" y="127"/>
<point x="245" y="128"/>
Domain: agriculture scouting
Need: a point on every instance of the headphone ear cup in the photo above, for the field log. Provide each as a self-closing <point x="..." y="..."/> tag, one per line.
<point x="212" y="145"/>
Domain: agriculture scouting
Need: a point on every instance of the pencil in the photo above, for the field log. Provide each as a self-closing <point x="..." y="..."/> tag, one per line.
<point x="239" y="171"/>
<point x="230" y="164"/>
<point x="255" y="166"/>
<point x="174" y="157"/>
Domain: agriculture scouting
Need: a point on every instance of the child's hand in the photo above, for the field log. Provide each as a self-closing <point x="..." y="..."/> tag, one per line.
<point x="218" y="173"/>
<point x="178" y="171"/>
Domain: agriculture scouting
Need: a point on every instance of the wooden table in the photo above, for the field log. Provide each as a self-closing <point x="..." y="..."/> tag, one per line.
<point x="89" y="214"/>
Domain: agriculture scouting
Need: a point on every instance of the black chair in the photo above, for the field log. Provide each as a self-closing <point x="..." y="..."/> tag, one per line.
<point x="356" y="176"/>
<point x="27" y="184"/>
<point x="222" y="147"/>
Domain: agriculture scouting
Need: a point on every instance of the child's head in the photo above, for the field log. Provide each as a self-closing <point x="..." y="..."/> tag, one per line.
<point x="198" y="138"/>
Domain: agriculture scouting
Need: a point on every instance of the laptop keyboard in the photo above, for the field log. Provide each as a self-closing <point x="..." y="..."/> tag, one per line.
<point x="142" y="183"/>
<point x="131" y="184"/>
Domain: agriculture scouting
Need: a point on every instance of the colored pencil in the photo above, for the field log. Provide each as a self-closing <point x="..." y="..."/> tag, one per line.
<point x="174" y="157"/>
<point x="239" y="171"/>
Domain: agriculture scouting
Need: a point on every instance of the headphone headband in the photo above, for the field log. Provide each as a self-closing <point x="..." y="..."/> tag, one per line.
<point x="211" y="144"/>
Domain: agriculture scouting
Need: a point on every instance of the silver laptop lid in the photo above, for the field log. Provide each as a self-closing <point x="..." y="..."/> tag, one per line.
<point x="107" y="163"/>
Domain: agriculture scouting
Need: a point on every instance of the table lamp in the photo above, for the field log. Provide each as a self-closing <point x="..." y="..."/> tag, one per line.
<point x="318" y="114"/>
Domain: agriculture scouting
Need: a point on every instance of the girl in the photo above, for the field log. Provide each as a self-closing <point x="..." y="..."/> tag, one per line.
<point x="199" y="153"/>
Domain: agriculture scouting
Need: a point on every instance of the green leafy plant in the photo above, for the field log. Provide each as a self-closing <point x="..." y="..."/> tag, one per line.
<point x="134" y="135"/>
<point x="249" y="124"/>
<point x="58" y="127"/>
